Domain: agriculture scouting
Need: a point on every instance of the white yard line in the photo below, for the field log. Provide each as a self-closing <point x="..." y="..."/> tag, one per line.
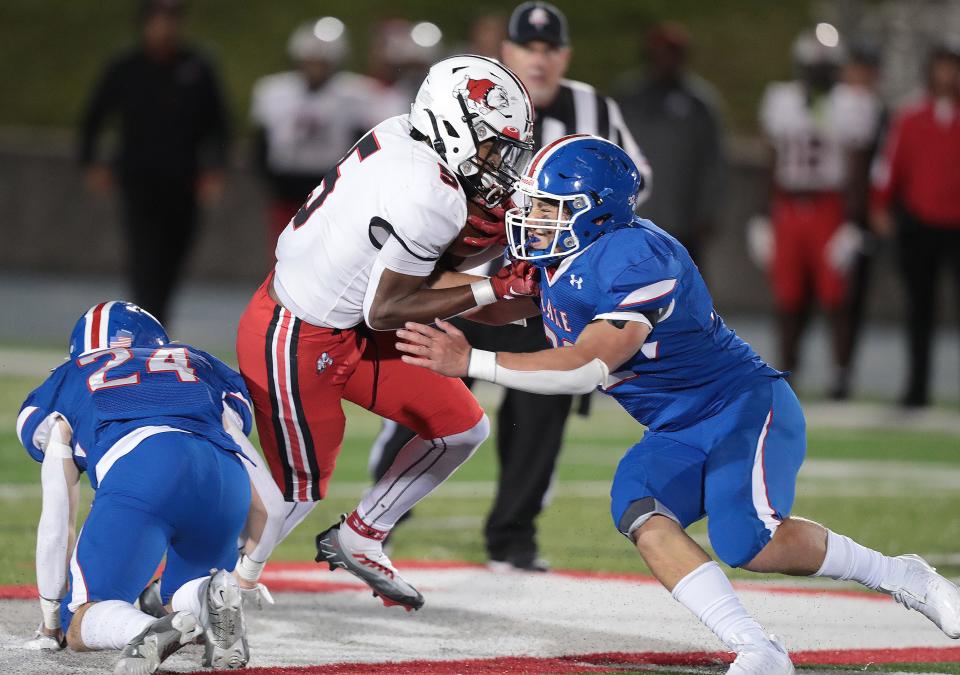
<point x="818" y="477"/>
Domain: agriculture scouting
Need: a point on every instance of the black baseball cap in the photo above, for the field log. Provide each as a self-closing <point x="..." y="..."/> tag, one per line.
<point x="542" y="21"/>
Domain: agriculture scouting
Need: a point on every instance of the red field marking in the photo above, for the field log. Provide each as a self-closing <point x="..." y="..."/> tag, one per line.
<point x="585" y="663"/>
<point x="281" y="585"/>
<point x="274" y="577"/>
<point x="843" y="657"/>
<point x="20" y="592"/>
<point x="634" y="577"/>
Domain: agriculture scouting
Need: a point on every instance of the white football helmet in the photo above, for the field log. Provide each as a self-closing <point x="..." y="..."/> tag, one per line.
<point x="477" y="115"/>
<point x="322" y="40"/>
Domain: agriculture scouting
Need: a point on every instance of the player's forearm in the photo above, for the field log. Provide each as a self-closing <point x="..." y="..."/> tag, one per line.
<point x="452" y="279"/>
<point x="504" y="312"/>
<point x="53" y="529"/>
<point x="563" y="358"/>
<point x="422" y="306"/>
<point x="567" y="370"/>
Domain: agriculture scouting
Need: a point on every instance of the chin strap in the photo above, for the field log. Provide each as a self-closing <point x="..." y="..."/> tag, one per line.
<point x="437" y="143"/>
<point x="468" y="120"/>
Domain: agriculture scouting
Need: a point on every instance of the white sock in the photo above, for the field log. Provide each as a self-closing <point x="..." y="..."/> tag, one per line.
<point x="848" y="560"/>
<point x="111" y="624"/>
<point x="420" y="466"/>
<point x="707" y="593"/>
<point x="189" y="598"/>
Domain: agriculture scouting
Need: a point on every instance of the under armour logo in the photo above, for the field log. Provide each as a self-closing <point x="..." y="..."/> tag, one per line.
<point x="324" y="361"/>
<point x="576" y="281"/>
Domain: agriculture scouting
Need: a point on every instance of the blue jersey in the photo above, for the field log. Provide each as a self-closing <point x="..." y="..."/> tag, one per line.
<point x="691" y="364"/>
<point x="114" y="398"/>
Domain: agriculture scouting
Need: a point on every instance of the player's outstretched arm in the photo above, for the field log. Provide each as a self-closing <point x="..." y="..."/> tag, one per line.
<point x="56" y="532"/>
<point x="579" y="368"/>
<point x="399" y="298"/>
<point x="266" y="515"/>
<point x="499" y="313"/>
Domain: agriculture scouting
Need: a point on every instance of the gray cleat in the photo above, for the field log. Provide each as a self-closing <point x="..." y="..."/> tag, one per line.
<point x="144" y="653"/>
<point x="372" y="567"/>
<point x="224" y="629"/>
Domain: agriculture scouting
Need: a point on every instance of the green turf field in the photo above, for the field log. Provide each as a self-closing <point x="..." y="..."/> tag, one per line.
<point x="859" y="484"/>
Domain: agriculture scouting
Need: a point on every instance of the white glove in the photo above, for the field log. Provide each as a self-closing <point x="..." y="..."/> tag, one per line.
<point x="42" y="642"/>
<point x="843" y="247"/>
<point x="259" y="595"/>
<point x="760" y="241"/>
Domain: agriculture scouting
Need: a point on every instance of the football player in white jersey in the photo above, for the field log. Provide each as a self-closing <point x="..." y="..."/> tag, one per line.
<point x="363" y="255"/>
<point x="305" y="119"/>
<point x="818" y="129"/>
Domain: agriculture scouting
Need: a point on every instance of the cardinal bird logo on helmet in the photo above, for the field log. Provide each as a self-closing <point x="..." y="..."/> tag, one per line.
<point x="483" y="95"/>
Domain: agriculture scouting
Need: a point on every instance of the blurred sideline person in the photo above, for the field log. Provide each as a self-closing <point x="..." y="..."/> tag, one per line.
<point x="530" y="426"/>
<point x="486" y="35"/>
<point x="306" y="119"/>
<point x="367" y="251"/>
<point x="815" y="127"/>
<point x="917" y="199"/>
<point x="862" y="72"/>
<point x="172" y="148"/>
<point x="675" y="117"/>
<point x="145" y="418"/>
<point x="725" y="435"/>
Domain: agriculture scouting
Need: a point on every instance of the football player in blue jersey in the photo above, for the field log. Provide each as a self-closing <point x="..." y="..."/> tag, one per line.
<point x="157" y="427"/>
<point x="627" y="311"/>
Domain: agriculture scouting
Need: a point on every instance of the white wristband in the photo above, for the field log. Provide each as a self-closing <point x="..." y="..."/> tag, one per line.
<point x="483" y="293"/>
<point x="249" y="570"/>
<point x="482" y="365"/>
<point x="50" y="609"/>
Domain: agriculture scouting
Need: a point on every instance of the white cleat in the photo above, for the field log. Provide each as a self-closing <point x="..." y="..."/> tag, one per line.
<point x="144" y="653"/>
<point x="224" y="628"/>
<point x="928" y="593"/>
<point x="761" y="658"/>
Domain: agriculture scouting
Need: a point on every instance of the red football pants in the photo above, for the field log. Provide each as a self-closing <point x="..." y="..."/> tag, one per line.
<point x="298" y="374"/>
<point x="802" y="228"/>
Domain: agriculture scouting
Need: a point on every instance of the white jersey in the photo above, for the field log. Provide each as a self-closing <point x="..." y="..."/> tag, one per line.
<point x="308" y="130"/>
<point x="812" y="140"/>
<point x="394" y="204"/>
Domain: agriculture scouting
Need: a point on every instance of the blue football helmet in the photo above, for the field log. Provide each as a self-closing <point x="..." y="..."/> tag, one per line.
<point x="596" y="185"/>
<point x="115" y="324"/>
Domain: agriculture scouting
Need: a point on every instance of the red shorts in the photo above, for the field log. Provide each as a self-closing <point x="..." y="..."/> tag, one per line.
<point x="802" y="228"/>
<point x="298" y="374"/>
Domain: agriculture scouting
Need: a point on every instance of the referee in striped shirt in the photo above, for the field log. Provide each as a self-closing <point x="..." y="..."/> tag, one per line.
<point x="530" y="426"/>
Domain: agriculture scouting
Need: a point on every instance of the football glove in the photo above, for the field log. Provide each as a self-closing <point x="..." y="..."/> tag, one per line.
<point x="492" y="226"/>
<point x="844" y="246"/>
<point x="517" y="280"/>
<point x="760" y="241"/>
